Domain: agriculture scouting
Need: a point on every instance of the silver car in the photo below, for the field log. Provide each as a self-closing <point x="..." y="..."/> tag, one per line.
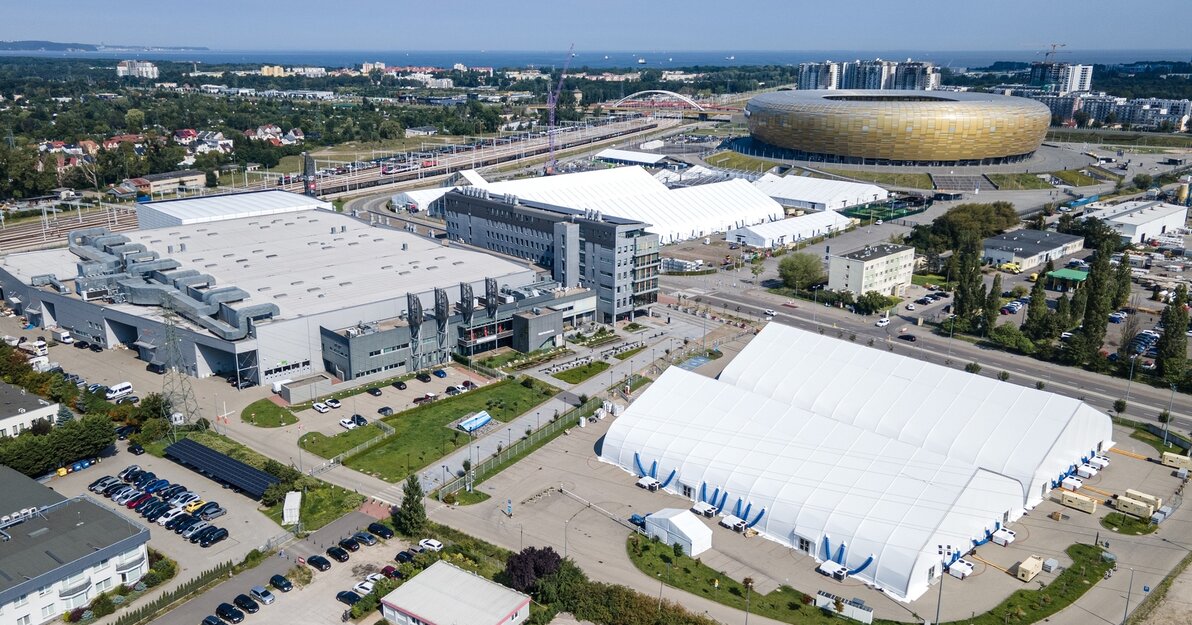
<point x="195" y="529"/>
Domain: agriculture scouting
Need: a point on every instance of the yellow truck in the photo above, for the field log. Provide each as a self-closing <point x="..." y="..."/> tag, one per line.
<point x="1010" y="268"/>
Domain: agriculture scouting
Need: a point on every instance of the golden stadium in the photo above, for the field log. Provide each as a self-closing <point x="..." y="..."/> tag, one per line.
<point x="899" y="127"/>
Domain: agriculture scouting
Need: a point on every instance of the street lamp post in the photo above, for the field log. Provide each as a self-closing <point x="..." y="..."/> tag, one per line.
<point x="1128" y="593"/>
<point x="1130" y="380"/>
<point x="1170" y="403"/>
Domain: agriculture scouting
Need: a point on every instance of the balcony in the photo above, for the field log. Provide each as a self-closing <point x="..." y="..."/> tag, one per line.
<point x="75" y="588"/>
<point x="131" y="564"/>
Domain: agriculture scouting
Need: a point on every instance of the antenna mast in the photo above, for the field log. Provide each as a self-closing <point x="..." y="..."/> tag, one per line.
<point x="552" y="102"/>
<point x="178" y="398"/>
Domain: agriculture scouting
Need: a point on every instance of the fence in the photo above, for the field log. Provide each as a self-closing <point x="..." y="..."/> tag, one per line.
<point x="386" y="431"/>
<point x="492" y="464"/>
<point x="150" y="610"/>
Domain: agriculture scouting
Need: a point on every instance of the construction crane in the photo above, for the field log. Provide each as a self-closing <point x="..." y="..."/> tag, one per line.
<point x="1049" y="56"/>
<point x="552" y="101"/>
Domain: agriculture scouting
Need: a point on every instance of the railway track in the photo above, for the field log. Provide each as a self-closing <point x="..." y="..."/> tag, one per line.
<point x="35" y="235"/>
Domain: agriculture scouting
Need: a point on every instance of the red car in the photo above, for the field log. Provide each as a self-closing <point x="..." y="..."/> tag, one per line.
<point x="391" y="572"/>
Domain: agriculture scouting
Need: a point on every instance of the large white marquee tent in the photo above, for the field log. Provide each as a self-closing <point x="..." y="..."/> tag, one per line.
<point x="883" y="464"/>
<point x="818" y="193"/>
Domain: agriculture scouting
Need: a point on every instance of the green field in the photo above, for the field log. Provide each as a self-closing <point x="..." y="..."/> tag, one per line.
<point x="629" y="354"/>
<point x="330" y="446"/>
<point x="1126" y="524"/>
<point x="735" y="160"/>
<point x="1075" y="178"/>
<point x="1017" y="182"/>
<point x="423" y="433"/>
<point x="914" y="181"/>
<point x="266" y="414"/>
<point x="579" y="374"/>
<point x="1120" y="137"/>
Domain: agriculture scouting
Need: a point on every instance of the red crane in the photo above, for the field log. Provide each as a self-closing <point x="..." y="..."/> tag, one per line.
<point x="552" y="100"/>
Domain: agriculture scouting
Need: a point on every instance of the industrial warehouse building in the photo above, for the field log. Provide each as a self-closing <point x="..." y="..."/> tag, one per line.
<point x="817" y="194"/>
<point x="790" y="231"/>
<point x="1030" y="248"/>
<point x="215" y="208"/>
<point x="1140" y="221"/>
<point x="444" y="594"/>
<point x="273" y="296"/>
<point x="890" y="467"/>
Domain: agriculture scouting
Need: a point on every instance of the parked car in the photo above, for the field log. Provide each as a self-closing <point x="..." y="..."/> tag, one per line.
<point x="320" y="407"/>
<point x="211" y="620"/>
<point x="452" y="391"/>
<point x="364" y="538"/>
<point x="385" y="411"/>
<point x="213" y="537"/>
<point x="430" y="544"/>
<point x="883" y="322"/>
<point x="391" y="572"/>
<point x="374" y="391"/>
<point x="404" y="556"/>
<point x="350" y="544"/>
<point x="246" y="603"/>
<point x="429" y="397"/>
<point x="281" y="583"/>
<point x="213" y="513"/>
<point x="333" y="403"/>
<point x="319" y="562"/>
<point x="339" y="554"/>
<point x="362" y="588"/>
<point x="380" y="530"/>
<point x="423" y="377"/>
<point x="399" y="385"/>
<point x="347" y="423"/>
<point x="439" y="373"/>
<point x="229" y="613"/>
<point x="261" y="595"/>
<point x="347" y="597"/>
<point x="176" y="521"/>
<point x="359" y="420"/>
<point x="135" y="449"/>
<point x="468" y="384"/>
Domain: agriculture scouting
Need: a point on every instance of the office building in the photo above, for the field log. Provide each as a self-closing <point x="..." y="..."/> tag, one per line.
<point x="136" y="69"/>
<point x="1030" y="248"/>
<point x="58" y="554"/>
<point x="1140" y="221"/>
<point x="884" y="268"/>
<point x="19" y="409"/>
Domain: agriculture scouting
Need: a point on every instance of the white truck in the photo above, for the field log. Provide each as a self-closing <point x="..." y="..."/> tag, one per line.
<point x="62" y="336"/>
<point x="34" y="348"/>
<point x="42" y="364"/>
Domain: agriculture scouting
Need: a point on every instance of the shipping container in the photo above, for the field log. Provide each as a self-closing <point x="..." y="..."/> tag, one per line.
<point x="1133" y="507"/>
<point x="1176" y="461"/>
<point x="1137" y="495"/>
<point x="1079" y="502"/>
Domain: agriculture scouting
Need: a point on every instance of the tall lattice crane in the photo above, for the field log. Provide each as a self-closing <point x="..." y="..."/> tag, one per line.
<point x="1049" y="55"/>
<point x="552" y="101"/>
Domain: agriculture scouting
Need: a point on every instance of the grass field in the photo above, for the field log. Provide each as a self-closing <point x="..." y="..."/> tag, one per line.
<point x="579" y="374"/>
<point x="914" y="181"/>
<point x="1075" y="178"/>
<point x="423" y="434"/>
<point x="1126" y="524"/>
<point x="1120" y="137"/>
<point x="266" y="414"/>
<point x="735" y="160"/>
<point x="1017" y="182"/>
<point x="330" y="446"/>
<point x="629" y="354"/>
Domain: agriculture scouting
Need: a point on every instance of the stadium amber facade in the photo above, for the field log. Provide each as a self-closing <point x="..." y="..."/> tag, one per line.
<point x="899" y="127"/>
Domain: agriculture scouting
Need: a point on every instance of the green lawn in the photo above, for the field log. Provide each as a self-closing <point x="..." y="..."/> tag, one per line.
<point x="914" y="181"/>
<point x="519" y="360"/>
<point x="341" y="395"/>
<point x="1121" y="137"/>
<point x="629" y="354"/>
<point x="923" y="279"/>
<point x="1075" y="178"/>
<point x="1017" y="182"/>
<point x="1140" y="434"/>
<point x="423" y="435"/>
<point x="579" y="374"/>
<point x="658" y="561"/>
<point x="321" y="506"/>
<point x="735" y="160"/>
<point x="266" y="414"/>
<point x="330" y="446"/>
<point x="1126" y="524"/>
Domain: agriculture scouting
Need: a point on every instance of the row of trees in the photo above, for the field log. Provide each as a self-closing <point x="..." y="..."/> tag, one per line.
<point x="802" y="272"/>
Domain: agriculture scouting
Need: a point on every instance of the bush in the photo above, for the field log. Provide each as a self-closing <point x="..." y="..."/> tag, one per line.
<point x="151" y="579"/>
<point x="75" y="615"/>
<point x="118" y="599"/>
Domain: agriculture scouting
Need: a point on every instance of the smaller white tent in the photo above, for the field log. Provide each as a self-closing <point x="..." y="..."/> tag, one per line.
<point x="674" y="525"/>
<point x="789" y="231"/>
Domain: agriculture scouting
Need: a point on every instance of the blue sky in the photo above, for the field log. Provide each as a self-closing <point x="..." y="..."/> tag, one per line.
<point x="607" y="25"/>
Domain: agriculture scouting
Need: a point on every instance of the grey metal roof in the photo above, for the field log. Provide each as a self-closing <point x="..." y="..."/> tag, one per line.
<point x="1029" y="242"/>
<point x="15" y="400"/>
<point x="874" y="252"/>
<point x="446" y="594"/>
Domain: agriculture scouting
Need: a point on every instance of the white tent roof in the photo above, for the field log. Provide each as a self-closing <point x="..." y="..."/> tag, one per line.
<point x="795" y="227"/>
<point x="629" y="156"/>
<point x="694" y="172"/>
<point x="890" y="507"/>
<point x="632" y="193"/>
<point x="684" y="523"/>
<point x="421" y="197"/>
<point x="831" y="193"/>
<point x="1029" y="435"/>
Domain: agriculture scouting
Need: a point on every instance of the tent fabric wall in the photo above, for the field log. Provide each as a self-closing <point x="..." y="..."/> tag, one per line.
<point x="674" y="525"/>
<point x="1029" y="435"/>
<point x="866" y="494"/>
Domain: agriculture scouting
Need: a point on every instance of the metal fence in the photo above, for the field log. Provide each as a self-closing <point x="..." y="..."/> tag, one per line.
<point x="488" y="466"/>
<point x="386" y="431"/>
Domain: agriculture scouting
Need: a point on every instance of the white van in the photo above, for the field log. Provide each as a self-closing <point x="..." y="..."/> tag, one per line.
<point x="117" y="391"/>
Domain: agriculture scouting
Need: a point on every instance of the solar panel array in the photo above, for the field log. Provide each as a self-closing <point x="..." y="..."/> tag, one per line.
<point x="248" y="479"/>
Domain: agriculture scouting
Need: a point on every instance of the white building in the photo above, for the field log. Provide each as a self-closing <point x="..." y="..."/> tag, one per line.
<point x="884" y="268"/>
<point x="675" y="525"/>
<point x="1140" y="221"/>
<point x="1076" y="78"/>
<point x="211" y="208"/>
<point x="136" y="69"/>
<point x="1030" y="248"/>
<point x="890" y="467"/>
<point x="790" y="231"/>
<point x="20" y="409"/>
<point x="807" y="193"/>
<point x="444" y="594"/>
<point x="58" y="554"/>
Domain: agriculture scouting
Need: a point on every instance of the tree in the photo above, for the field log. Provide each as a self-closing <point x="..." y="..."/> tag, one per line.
<point x="410" y="518"/>
<point x="64" y="415"/>
<point x="1096" y="310"/>
<point x="1081" y="118"/>
<point x="1173" y="343"/>
<point x="1078" y="303"/>
<point x="872" y="302"/>
<point x="1039" y="324"/>
<point x="1063" y="314"/>
<point x="1122" y="281"/>
<point x="1119" y="406"/>
<point x="1142" y="181"/>
<point x="525" y="568"/>
<point x="967" y="269"/>
<point x="993" y="299"/>
<point x="134" y="120"/>
<point x="1009" y="336"/>
<point x="800" y="270"/>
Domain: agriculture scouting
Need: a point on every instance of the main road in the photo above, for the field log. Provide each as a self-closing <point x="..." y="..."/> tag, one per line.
<point x="1095" y="389"/>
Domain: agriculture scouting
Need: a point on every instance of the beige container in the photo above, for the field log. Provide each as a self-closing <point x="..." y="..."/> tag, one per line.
<point x="1134" y="507"/>
<point x="1181" y="193"/>
<point x="1078" y="502"/>
<point x="1137" y="495"/>
<point x="1176" y="461"/>
<point x="1029" y="568"/>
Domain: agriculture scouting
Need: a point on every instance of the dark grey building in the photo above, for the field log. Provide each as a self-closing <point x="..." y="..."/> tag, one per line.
<point x="57" y="554"/>
<point x="613" y="256"/>
<point x="526" y="319"/>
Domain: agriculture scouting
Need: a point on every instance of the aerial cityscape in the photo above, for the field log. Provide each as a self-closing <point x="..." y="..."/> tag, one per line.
<point x="788" y="318"/>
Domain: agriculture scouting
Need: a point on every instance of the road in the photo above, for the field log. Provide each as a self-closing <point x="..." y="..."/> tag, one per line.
<point x="1095" y="389"/>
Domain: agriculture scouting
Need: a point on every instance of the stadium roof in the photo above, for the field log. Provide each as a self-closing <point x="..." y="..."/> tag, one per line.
<point x="882" y="507"/>
<point x="228" y="206"/>
<point x="228" y="470"/>
<point x="632" y="193"/>
<point x="832" y="194"/>
<point x="296" y="262"/>
<point x="446" y="594"/>
<point x="628" y="156"/>
<point x="1032" y="436"/>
